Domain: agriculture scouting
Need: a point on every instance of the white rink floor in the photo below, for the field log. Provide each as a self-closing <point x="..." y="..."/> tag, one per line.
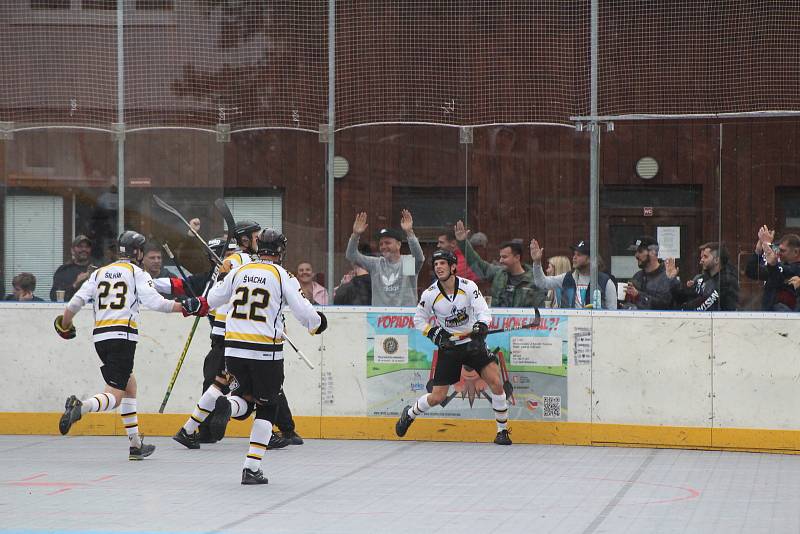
<point x="87" y="484"/>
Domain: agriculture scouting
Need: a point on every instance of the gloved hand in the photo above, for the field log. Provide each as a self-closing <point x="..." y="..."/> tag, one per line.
<point x="440" y="337"/>
<point x="195" y="306"/>
<point x="66" y="333"/>
<point x="480" y="331"/>
<point x="176" y="285"/>
<point x="323" y="325"/>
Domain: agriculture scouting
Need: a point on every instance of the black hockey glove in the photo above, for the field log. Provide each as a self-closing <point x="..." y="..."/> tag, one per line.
<point x="440" y="337"/>
<point x="480" y="331"/>
<point x="195" y="306"/>
<point x="323" y="325"/>
<point x="66" y="333"/>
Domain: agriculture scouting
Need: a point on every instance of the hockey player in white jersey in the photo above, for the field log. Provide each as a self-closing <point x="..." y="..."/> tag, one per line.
<point x="117" y="291"/>
<point x="462" y="321"/>
<point x="258" y="293"/>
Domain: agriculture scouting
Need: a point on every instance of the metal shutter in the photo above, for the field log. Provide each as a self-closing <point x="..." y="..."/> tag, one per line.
<point x="34" y="239"/>
<point x="266" y="210"/>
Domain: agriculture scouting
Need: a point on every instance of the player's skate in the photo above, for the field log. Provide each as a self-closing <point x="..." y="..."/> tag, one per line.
<point x="251" y="478"/>
<point x="72" y="414"/>
<point x="401" y="427"/>
<point x="190" y="441"/>
<point x="141" y="452"/>
<point x="503" y="438"/>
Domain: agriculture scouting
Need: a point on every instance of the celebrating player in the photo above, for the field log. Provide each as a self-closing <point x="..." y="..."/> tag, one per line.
<point x="462" y="318"/>
<point x="116" y="291"/>
<point x="257" y="293"/>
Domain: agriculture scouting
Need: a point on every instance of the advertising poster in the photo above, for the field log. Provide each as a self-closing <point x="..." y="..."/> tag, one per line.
<point x="533" y="365"/>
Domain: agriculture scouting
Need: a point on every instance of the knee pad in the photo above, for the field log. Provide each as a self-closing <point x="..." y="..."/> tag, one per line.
<point x="250" y="407"/>
<point x="267" y="411"/>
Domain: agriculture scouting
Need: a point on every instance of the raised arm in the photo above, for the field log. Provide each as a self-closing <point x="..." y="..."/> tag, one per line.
<point x="484" y="269"/>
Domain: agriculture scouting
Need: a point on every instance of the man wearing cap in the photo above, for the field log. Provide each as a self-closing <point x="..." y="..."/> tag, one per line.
<point x="575" y="285"/>
<point x="650" y="288"/>
<point x="392" y="285"/>
<point x="512" y="281"/>
<point x="70" y="276"/>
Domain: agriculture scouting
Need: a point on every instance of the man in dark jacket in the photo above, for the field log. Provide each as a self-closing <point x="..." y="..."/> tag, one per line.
<point x="716" y="288"/>
<point x="70" y="277"/>
<point x="650" y="288"/>
<point x="775" y="265"/>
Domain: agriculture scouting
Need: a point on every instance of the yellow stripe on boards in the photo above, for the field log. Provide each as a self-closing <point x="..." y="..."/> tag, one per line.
<point x="453" y="430"/>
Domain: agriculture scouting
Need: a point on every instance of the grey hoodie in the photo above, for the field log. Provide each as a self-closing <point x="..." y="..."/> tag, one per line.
<point x="389" y="286"/>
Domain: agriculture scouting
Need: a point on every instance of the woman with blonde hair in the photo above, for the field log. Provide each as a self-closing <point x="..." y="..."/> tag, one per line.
<point x="556" y="265"/>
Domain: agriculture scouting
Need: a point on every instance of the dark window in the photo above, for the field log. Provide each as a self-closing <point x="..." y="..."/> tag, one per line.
<point x="788" y="202"/>
<point x="50" y="4"/>
<point x="435" y="209"/>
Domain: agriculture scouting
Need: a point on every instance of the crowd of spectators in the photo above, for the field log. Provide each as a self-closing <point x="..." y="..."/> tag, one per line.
<point x="390" y="278"/>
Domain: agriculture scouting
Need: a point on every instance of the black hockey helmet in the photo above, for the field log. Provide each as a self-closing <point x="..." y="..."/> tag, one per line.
<point x="271" y="242"/>
<point x="130" y="243"/>
<point x="442" y="254"/>
<point x="245" y="228"/>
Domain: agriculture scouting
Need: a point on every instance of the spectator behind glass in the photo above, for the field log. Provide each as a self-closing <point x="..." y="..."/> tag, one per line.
<point x="393" y="283"/>
<point x="716" y="288"/>
<point x="355" y="288"/>
<point x="556" y="265"/>
<point x="447" y="241"/>
<point x="71" y="276"/>
<point x="314" y="292"/>
<point x="512" y="282"/>
<point x="794" y="282"/>
<point x="24" y="285"/>
<point x="775" y="265"/>
<point x="152" y="261"/>
<point x="649" y="288"/>
<point x="575" y="285"/>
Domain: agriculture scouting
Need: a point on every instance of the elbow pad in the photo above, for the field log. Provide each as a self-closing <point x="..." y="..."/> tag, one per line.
<point x="176" y="286"/>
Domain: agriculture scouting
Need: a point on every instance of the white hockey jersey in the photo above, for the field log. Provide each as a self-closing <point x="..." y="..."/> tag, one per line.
<point x="256" y="294"/>
<point x="455" y="313"/>
<point x="117" y="291"/>
<point x="220" y="313"/>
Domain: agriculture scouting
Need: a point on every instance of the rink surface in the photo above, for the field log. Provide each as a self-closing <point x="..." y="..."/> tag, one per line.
<point x="87" y="484"/>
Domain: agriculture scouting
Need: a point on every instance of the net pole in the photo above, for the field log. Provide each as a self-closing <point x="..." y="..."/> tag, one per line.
<point x="594" y="156"/>
<point x="120" y="121"/>
<point x="331" y="129"/>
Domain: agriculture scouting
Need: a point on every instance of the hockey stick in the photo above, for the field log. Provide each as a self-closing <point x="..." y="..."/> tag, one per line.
<point x="537" y="320"/>
<point x="299" y="352"/>
<point x="180" y="269"/>
<point x="223" y="208"/>
<point x="185" y="347"/>
<point x="163" y="205"/>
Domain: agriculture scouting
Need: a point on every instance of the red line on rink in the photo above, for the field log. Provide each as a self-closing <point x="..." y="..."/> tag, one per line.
<point x="101" y="479"/>
<point x="39" y="475"/>
<point x="692" y="493"/>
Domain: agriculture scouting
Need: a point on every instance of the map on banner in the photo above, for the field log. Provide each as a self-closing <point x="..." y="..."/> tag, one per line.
<point x="533" y="365"/>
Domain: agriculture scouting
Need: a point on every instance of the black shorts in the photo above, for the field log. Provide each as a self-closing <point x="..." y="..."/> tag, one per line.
<point x="214" y="364"/>
<point x="117" y="358"/>
<point x="263" y="379"/>
<point x="449" y="362"/>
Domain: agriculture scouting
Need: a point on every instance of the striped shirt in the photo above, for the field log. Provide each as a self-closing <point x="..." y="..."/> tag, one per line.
<point x="256" y="294"/>
<point x="117" y="290"/>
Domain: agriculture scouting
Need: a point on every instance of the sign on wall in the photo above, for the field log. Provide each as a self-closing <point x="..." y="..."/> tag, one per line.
<point x="533" y="365"/>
